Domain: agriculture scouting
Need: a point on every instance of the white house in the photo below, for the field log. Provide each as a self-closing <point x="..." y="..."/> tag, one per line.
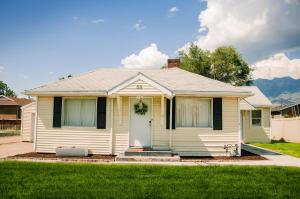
<point x="112" y="110"/>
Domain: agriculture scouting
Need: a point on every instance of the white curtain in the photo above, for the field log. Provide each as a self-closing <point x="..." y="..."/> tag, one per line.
<point x="78" y="112"/>
<point x="193" y="112"/>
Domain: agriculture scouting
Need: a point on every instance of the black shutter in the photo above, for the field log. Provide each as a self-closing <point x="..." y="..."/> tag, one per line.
<point x="168" y="114"/>
<point x="101" y="113"/>
<point x="217" y="113"/>
<point x="57" y="112"/>
<point x="173" y="112"/>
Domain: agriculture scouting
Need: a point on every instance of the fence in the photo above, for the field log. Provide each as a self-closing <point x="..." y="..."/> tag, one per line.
<point x="10" y="124"/>
<point x="286" y="128"/>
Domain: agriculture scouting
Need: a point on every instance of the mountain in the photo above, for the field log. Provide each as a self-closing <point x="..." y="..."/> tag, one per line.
<point x="285" y="90"/>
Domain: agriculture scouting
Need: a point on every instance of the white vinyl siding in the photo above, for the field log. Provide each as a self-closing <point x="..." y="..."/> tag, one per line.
<point x="259" y="133"/>
<point x="193" y="112"/>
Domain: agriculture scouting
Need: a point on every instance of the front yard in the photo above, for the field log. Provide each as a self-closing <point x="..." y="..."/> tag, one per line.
<point x="288" y="148"/>
<point x="39" y="180"/>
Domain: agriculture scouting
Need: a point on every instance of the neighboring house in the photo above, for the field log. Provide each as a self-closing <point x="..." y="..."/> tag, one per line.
<point x="286" y="111"/>
<point x="112" y="110"/>
<point x="10" y="112"/>
<point x="28" y="122"/>
<point x="255" y="116"/>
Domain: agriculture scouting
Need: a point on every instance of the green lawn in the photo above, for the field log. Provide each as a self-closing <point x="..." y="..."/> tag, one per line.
<point x="38" y="180"/>
<point x="282" y="147"/>
<point x="4" y="133"/>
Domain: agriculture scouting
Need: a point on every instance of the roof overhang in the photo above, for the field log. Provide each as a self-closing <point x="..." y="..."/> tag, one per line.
<point x="214" y="93"/>
<point x="65" y="93"/>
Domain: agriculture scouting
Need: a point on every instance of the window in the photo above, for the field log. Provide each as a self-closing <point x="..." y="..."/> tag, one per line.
<point x="80" y="112"/>
<point x="193" y="112"/>
<point x="256" y="117"/>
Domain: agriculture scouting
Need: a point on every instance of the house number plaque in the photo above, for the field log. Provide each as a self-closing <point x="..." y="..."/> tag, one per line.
<point x="139" y="86"/>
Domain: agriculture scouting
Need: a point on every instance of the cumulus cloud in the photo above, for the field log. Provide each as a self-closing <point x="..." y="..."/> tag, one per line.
<point x="1" y="69"/>
<point x="173" y="9"/>
<point x="139" y="26"/>
<point x="278" y="65"/>
<point x="96" y="21"/>
<point x="75" y="18"/>
<point x="149" y="57"/>
<point x="257" y="28"/>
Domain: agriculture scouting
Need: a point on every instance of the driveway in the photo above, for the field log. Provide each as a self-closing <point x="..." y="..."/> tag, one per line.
<point x="12" y="145"/>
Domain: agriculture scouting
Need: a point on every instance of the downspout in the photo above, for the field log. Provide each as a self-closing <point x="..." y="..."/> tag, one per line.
<point x="111" y="124"/>
<point x="170" y="130"/>
<point x="240" y="131"/>
<point x="35" y="124"/>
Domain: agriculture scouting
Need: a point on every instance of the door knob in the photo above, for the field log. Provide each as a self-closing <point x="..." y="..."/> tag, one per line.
<point x="150" y="122"/>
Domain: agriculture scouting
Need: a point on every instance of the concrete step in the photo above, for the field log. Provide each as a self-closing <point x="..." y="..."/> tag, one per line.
<point x="149" y="153"/>
<point x="121" y="158"/>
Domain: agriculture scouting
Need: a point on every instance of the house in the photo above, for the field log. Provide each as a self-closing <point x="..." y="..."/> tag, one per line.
<point x="255" y="116"/>
<point x="286" y="111"/>
<point x="28" y="122"/>
<point x="112" y="110"/>
<point x="10" y="112"/>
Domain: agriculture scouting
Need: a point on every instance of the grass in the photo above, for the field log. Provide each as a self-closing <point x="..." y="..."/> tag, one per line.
<point x="39" y="180"/>
<point x="4" y="133"/>
<point x="281" y="146"/>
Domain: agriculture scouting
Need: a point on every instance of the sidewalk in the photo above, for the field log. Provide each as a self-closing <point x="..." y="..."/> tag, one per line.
<point x="274" y="158"/>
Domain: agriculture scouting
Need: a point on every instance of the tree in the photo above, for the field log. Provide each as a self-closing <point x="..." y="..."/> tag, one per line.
<point x="224" y="64"/>
<point x="5" y="90"/>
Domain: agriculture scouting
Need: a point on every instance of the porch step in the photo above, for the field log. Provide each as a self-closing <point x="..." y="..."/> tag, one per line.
<point x="149" y="153"/>
<point x="122" y="158"/>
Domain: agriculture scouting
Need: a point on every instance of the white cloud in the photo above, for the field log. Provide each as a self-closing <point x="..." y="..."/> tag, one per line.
<point x="258" y="29"/>
<point x="96" y="21"/>
<point x="75" y="18"/>
<point x="149" y="57"/>
<point x="2" y="69"/>
<point x="139" y="25"/>
<point x="173" y="9"/>
<point x="278" y="65"/>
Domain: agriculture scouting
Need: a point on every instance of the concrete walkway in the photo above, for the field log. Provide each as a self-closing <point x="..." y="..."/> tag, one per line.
<point x="10" y="146"/>
<point x="274" y="158"/>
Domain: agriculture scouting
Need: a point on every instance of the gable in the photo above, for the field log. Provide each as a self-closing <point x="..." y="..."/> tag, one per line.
<point x="140" y="85"/>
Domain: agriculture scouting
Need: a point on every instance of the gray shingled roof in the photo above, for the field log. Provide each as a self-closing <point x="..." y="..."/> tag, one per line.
<point x="258" y="99"/>
<point x="104" y="79"/>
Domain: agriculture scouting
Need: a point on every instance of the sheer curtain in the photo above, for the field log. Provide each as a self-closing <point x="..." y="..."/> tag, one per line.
<point x="78" y="112"/>
<point x="193" y="112"/>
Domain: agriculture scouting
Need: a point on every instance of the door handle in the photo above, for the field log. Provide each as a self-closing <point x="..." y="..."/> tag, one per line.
<point x="150" y="122"/>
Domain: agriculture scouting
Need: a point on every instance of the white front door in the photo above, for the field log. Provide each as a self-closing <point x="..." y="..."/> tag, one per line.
<point x="140" y="125"/>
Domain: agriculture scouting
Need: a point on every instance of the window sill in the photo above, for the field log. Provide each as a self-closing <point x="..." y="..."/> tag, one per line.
<point x="204" y="128"/>
<point x="78" y="127"/>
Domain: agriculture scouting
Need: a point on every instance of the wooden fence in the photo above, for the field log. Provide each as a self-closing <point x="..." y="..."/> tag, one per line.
<point x="286" y="128"/>
<point x="10" y="124"/>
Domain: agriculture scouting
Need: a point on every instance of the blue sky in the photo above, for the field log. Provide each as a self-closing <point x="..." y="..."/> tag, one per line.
<point x="42" y="40"/>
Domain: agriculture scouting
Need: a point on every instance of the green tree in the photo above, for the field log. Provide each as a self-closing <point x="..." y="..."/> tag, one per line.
<point x="196" y="61"/>
<point x="5" y="90"/>
<point x="224" y="64"/>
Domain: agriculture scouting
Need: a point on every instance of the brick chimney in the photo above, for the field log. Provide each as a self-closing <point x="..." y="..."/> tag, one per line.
<point x="172" y="63"/>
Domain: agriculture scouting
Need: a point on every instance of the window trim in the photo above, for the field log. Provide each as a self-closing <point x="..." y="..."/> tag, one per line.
<point x="196" y="127"/>
<point x="261" y="119"/>
<point x="63" y="126"/>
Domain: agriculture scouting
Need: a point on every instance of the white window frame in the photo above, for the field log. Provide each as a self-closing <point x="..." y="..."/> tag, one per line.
<point x="63" y="113"/>
<point x="211" y="114"/>
<point x="261" y="119"/>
